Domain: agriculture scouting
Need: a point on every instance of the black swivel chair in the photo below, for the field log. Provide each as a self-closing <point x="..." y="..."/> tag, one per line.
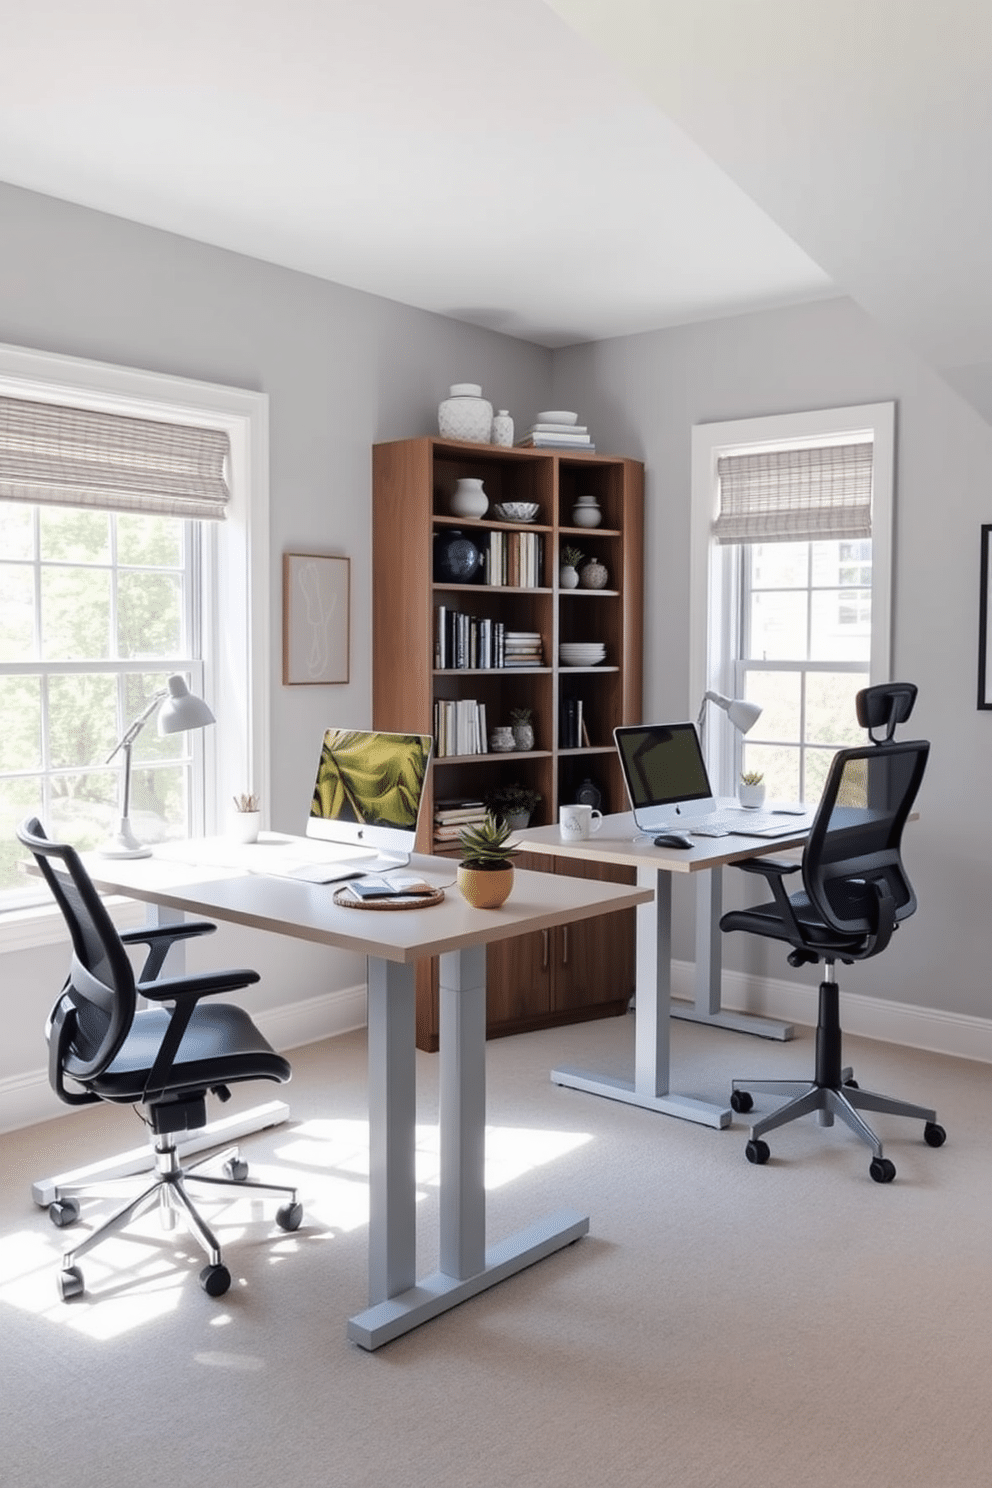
<point x="162" y="1059"/>
<point x="855" y="894"/>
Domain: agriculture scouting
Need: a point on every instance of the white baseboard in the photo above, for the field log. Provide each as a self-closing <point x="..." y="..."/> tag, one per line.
<point x="901" y="1023"/>
<point x="28" y="1098"/>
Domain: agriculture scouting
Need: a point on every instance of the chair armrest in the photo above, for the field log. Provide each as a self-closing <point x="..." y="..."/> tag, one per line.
<point x="769" y="867"/>
<point x="159" y="939"/>
<point x="185" y="993"/>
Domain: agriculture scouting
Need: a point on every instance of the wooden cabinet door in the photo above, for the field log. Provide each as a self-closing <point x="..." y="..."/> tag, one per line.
<point x="594" y="958"/>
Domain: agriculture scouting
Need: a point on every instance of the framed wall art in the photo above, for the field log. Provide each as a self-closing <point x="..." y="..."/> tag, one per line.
<point x="984" y="621"/>
<point x="316" y="619"/>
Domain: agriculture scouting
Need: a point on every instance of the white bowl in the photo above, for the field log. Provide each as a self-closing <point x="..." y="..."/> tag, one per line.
<point x="557" y="416"/>
<point x="517" y="511"/>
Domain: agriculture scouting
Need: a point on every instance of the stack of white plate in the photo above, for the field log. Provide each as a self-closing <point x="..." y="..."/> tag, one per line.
<point x="581" y="653"/>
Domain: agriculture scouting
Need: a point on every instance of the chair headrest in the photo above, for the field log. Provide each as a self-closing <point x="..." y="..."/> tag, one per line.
<point x="884" y="706"/>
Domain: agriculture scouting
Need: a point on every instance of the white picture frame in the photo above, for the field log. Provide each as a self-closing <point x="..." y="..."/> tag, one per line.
<point x="316" y="640"/>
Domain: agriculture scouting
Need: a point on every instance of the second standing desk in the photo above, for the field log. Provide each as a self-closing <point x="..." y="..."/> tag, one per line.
<point x="619" y="841"/>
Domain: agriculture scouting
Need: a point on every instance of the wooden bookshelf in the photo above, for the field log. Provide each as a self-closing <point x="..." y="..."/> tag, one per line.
<point x="530" y="984"/>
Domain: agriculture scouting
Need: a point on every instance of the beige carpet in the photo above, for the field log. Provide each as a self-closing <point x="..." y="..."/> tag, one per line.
<point x="722" y="1325"/>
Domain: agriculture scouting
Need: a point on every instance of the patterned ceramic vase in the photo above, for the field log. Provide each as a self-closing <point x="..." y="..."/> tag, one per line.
<point x="465" y="414"/>
<point x="503" y="428"/>
<point x="456" y="558"/>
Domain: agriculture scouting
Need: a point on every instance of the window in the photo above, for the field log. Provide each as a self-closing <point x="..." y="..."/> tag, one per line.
<point x="99" y="606"/>
<point x="791" y="584"/>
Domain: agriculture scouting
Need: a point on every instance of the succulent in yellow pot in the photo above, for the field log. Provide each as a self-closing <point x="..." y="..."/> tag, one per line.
<point x="485" y="872"/>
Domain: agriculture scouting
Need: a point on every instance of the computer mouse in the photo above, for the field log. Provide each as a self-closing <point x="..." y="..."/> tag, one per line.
<point x="673" y="839"/>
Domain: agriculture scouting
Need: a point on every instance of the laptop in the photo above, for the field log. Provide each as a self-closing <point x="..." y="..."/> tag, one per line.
<point x="669" y="787"/>
<point x="364" y="808"/>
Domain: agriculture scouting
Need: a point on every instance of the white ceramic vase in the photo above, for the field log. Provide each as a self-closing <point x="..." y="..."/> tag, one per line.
<point x="503" y="428"/>
<point x="245" y="825"/>
<point x="586" y="512"/>
<point x="568" y="577"/>
<point x="469" y="499"/>
<point x="465" y="414"/>
<point x="751" y="797"/>
<point x="501" y="740"/>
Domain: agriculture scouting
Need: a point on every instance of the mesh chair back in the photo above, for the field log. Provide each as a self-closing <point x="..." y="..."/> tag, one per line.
<point x="856" y="837"/>
<point x="100" y="989"/>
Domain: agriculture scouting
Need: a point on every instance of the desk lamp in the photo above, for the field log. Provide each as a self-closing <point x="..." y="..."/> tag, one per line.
<point x="743" y="715"/>
<point x="180" y="711"/>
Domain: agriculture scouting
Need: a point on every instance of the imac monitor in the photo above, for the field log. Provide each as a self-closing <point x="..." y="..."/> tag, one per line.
<point x="665" y="774"/>
<point x="368" y="792"/>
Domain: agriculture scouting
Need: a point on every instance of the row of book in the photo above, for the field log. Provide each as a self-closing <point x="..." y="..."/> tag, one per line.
<point x="452" y="817"/>
<point x="464" y="642"/>
<point x="512" y="560"/>
<point x="572" y="730"/>
<point x="557" y="436"/>
<point x="459" y="727"/>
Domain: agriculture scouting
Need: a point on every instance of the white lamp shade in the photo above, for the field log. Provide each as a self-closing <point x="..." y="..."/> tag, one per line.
<point x="182" y="710"/>
<point x="743" y="715"/>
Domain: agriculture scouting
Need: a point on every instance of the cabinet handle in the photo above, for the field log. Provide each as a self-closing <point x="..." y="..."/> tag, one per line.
<point x="564" y="945"/>
<point x="544" y="950"/>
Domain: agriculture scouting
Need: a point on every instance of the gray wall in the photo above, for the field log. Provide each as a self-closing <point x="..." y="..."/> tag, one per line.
<point x="642" y="394"/>
<point x="344" y="370"/>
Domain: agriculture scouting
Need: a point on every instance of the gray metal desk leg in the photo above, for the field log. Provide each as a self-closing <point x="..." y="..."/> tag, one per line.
<point x="467" y="1267"/>
<point x="709" y="967"/>
<point x="652" y="1055"/>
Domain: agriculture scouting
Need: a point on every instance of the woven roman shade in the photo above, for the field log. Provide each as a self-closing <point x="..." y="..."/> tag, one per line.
<point x="77" y="457"/>
<point x="795" y="495"/>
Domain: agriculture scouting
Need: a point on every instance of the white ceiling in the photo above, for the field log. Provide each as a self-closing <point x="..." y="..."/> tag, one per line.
<point x="561" y="171"/>
<point x="473" y="157"/>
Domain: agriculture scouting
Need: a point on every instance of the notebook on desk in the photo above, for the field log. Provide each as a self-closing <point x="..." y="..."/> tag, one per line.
<point x="669" y="788"/>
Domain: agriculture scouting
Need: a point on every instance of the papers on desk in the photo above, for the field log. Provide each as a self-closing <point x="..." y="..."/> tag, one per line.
<point x="275" y="856"/>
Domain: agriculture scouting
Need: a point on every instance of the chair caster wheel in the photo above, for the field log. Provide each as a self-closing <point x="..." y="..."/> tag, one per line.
<point x="882" y="1170"/>
<point x="934" y="1135"/>
<point x="236" y="1168"/>
<point x="290" y="1216"/>
<point x="63" y="1212"/>
<point x="70" y="1283"/>
<point x="215" y="1280"/>
<point x="757" y="1151"/>
<point x="852" y="1084"/>
<point x="741" y="1101"/>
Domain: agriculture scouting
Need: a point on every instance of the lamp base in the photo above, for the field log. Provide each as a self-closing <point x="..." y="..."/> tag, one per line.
<point x="124" y="844"/>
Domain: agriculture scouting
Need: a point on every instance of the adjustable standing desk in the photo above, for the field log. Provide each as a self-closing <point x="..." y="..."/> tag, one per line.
<point x="620" y="841"/>
<point x="393" y="943"/>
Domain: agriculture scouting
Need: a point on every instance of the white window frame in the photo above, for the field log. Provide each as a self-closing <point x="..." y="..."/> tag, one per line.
<point x="235" y="587"/>
<point x="713" y="585"/>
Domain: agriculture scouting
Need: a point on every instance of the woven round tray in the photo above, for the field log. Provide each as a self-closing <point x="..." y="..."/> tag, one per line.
<point x="411" y="901"/>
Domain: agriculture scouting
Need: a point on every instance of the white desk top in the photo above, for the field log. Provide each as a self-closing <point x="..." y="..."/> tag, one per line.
<point x="307" y="911"/>
<point x="619" y="841"/>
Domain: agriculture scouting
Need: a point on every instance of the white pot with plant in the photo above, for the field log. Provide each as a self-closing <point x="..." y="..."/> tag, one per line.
<point x="247" y="818"/>
<point x="568" y="572"/>
<point x="751" y="792"/>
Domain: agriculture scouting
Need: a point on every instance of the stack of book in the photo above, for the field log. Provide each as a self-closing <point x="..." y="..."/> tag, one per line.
<point x="452" y="817"/>
<point x="459" y="727"/>
<point x="572" y="730"/>
<point x="523" y="648"/>
<point x="513" y="559"/>
<point x="466" y="642"/>
<point x="557" y="436"/>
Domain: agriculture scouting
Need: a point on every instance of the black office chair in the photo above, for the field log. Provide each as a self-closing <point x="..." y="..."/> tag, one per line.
<point x="162" y="1059"/>
<point x="855" y="894"/>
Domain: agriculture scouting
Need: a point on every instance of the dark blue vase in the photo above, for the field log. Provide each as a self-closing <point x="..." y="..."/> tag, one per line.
<point x="457" y="560"/>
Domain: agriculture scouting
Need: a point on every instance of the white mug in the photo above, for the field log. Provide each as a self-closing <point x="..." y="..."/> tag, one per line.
<point x="577" y="822"/>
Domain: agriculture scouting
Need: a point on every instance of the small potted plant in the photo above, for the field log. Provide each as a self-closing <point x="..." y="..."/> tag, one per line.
<point x="568" y="573"/>
<point x="513" y="804"/>
<point x="247" y="817"/>
<point x="523" y="729"/>
<point x="485" y="872"/>
<point x="752" y="790"/>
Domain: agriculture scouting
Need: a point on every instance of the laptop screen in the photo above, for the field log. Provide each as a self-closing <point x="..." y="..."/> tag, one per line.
<point x="369" y="789"/>
<point x="665" y="773"/>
